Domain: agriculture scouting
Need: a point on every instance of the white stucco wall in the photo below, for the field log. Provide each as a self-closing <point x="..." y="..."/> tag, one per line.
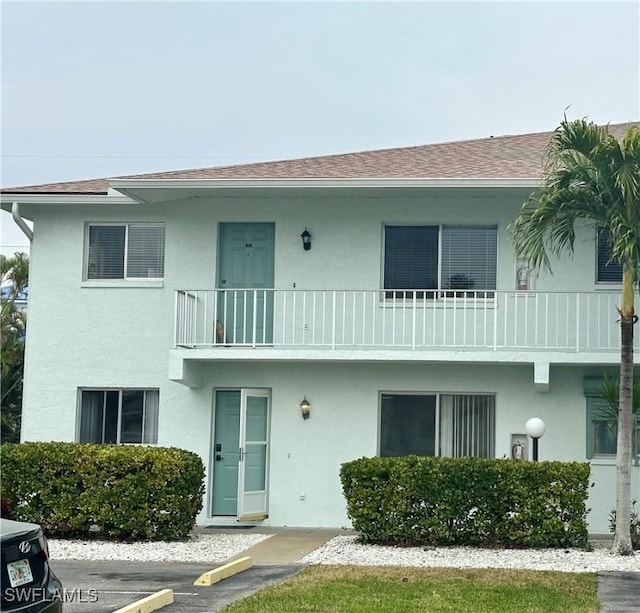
<point x="95" y="335"/>
<point x="344" y="425"/>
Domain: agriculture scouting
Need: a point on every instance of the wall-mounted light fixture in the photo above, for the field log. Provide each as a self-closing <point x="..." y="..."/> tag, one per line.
<point x="305" y="408"/>
<point x="306" y="239"/>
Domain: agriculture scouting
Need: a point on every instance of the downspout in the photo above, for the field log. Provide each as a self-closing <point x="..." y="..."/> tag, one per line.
<point x="15" y="212"/>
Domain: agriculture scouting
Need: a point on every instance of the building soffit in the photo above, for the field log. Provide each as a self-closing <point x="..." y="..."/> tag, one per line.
<point x="156" y="191"/>
<point x="151" y="191"/>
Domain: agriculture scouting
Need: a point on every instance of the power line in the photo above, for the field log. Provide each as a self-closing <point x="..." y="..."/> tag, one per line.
<point x="136" y="157"/>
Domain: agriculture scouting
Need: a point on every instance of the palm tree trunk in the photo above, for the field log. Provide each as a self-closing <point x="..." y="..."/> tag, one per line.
<point x="622" y="537"/>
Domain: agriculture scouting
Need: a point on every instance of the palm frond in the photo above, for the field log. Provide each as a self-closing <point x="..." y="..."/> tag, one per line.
<point x="607" y="412"/>
<point x="588" y="175"/>
<point x="610" y="396"/>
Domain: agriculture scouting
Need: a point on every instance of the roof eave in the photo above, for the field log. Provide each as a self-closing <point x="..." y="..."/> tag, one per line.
<point x="122" y="185"/>
<point x="123" y="191"/>
<point x="7" y="199"/>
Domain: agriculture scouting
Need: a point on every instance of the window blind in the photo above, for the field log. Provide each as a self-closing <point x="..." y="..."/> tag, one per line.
<point x="143" y="245"/>
<point x="467" y="426"/>
<point x="145" y="252"/>
<point x="119" y="416"/>
<point x="469" y="255"/>
<point x="106" y="252"/>
<point x="434" y="257"/>
<point x="411" y="257"/>
<point x="151" y="402"/>
<point x="92" y="417"/>
<point x="608" y="271"/>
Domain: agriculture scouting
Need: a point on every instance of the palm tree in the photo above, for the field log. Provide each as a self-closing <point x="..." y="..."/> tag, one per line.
<point x="590" y="176"/>
<point x="14" y="270"/>
<point x="14" y="277"/>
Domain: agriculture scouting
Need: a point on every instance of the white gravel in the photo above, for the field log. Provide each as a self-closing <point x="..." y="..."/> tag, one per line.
<point x="345" y="550"/>
<point x="218" y="547"/>
<point x="201" y="548"/>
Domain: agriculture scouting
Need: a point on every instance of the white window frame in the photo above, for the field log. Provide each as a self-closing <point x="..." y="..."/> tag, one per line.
<point x="125" y="278"/>
<point x="439" y="292"/>
<point x="437" y="425"/>
<point x="120" y="392"/>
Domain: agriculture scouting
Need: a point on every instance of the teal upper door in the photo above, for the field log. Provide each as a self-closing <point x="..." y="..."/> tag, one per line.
<point x="245" y="273"/>
<point x="246" y="255"/>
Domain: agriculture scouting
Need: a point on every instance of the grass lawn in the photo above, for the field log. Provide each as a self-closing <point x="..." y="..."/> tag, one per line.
<point x="398" y="589"/>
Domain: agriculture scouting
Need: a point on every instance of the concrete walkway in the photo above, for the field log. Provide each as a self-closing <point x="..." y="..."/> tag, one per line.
<point x="288" y="545"/>
<point x="285" y="546"/>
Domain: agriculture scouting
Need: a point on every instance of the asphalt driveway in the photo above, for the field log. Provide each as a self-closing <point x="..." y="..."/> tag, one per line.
<point x="103" y="587"/>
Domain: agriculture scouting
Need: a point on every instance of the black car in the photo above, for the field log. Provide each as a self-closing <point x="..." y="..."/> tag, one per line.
<point x="28" y="584"/>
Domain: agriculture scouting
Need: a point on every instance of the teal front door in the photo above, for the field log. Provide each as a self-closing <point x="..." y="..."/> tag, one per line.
<point x="240" y="454"/>
<point x="226" y="447"/>
<point x="245" y="281"/>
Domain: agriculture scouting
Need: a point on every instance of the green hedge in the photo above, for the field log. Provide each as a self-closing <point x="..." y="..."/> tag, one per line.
<point x="103" y="491"/>
<point x="467" y="501"/>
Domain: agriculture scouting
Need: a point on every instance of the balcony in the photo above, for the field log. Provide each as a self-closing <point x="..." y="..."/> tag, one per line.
<point x="411" y="320"/>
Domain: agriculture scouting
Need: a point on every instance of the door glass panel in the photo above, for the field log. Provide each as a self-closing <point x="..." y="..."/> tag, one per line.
<point x="256" y="419"/>
<point x="254" y="465"/>
<point x="255" y="459"/>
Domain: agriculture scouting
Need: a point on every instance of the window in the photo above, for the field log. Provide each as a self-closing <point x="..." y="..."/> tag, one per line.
<point x="119" y="416"/>
<point x="602" y="428"/>
<point x="452" y="425"/>
<point x="125" y="251"/>
<point x="440" y="258"/>
<point x="608" y="271"/>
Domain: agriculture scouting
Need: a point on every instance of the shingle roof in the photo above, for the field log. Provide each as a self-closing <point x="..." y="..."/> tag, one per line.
<point x="503" y="157"/>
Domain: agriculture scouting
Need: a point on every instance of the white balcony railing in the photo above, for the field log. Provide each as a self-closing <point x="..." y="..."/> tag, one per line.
<point x="416" y="320"/>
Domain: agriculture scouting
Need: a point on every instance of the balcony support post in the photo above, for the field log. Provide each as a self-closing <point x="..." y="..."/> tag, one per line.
<point x="184" y="371"/>
<point x="333" y="322"/>
<point x="541" y="376"/>
<point x="577" y="312"/>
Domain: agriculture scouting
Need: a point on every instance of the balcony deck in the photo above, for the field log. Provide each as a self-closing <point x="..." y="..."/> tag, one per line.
<point x="405" y="321"/>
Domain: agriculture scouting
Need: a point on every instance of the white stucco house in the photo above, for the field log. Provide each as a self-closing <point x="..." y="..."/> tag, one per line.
<point x="186" y="309"/>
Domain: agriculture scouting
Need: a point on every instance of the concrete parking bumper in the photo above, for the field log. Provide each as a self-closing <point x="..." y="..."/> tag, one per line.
<point x="225" y="571"/>
<point x="150" y="603"/>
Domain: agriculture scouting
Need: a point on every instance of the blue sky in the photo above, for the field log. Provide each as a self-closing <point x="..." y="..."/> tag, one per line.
<point x="92" y="89"/>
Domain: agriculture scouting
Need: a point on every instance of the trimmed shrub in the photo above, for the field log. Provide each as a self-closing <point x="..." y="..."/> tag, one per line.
<point x="415" y="500"/>
<point x="103" y="491"/>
